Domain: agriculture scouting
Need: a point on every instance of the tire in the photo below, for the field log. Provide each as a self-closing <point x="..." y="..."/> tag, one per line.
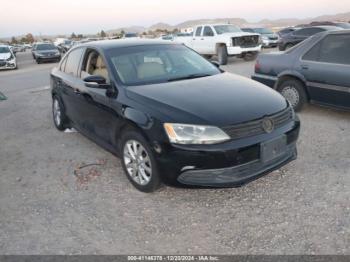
<point x="38" y="61"/>
<point x="137" y="155"/>
<point x="293" y="90"/>
<point x="222" y="55"/>
<point x="250" y="56"/>
<point x="59" y="118"/>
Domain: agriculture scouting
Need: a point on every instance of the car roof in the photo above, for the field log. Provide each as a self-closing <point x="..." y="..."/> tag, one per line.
<point x="120" y="43"/>
<point x="326" y="27"/>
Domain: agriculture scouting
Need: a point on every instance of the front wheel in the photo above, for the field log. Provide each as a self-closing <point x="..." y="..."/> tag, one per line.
<point x="59" y="117"/>
<point x="293" y="90"/>
<point x="139" y="163"/>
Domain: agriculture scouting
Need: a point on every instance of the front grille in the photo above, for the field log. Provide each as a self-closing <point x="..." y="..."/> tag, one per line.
<point x="246" y="41"/>
<point x="273" y="37"/>
<point x="255" y="127"/>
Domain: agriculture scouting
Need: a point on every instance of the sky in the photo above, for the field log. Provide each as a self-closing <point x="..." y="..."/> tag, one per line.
<point x="49" y="17"/>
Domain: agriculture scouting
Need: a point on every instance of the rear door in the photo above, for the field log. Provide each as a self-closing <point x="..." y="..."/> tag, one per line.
<point x="326" y="67"/>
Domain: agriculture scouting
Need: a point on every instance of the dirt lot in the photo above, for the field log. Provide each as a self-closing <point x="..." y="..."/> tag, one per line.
<point x="303" y="208"/>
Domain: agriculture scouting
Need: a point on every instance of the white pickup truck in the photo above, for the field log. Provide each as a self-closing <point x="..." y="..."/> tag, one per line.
<point x="223" y="40"/>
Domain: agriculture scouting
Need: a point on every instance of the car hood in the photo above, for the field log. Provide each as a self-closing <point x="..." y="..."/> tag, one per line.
<point x="4" y="56"/>
<point x="238" y="34"/>
<point x="220" y="100"/>
<point x="44" y="52"/>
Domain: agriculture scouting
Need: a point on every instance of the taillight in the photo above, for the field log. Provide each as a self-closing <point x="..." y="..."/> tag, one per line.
<point x="257" y="66"/>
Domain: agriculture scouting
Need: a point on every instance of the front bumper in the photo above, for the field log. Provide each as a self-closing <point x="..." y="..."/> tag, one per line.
<point x="237" y="50"/>
<point x="49" y="58"/>
<point x="225" y="165"/>
<point x="269" y="43"/>
<point x="236" y="175"/>
<point x="7" y="65"/>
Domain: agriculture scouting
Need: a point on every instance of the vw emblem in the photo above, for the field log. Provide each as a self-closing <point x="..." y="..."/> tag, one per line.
<point x="268" y="125"/>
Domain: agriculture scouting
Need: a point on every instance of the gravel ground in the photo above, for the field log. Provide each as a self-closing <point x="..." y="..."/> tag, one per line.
<point x="302" y="208"/>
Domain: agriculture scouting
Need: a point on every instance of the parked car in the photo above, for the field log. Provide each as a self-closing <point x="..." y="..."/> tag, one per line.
<point x="45" y="52"/>
<point x="342" y="25"/>
<point x="18" y="48"/>
<point x="290" y="40"/>
<point x="171" y="115"/>
<point x="223" y="40"/>
<point x="287" y="31"/>
<point x="317" y="70"/>
<point x="268" y="37"/>
<point x="7" y="58"/>
<point x="130" y="35"/>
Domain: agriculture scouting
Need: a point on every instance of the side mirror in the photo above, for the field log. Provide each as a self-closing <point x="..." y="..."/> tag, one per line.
<point x="215" y="64"/>
<point x="96" y="81"/>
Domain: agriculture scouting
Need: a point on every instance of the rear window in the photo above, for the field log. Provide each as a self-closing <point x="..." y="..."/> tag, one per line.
<point x="73" y="61"/>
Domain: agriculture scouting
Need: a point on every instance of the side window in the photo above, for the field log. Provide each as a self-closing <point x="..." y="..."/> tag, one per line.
<point x="73" y="61"/>
<point x="63" y="64"/>
<point x="208" y="31"/>
<point x="336" y="49"/>
<point x="94" y="64"/>
<point x="313" y="53"/>
<point x="198" y="31"/>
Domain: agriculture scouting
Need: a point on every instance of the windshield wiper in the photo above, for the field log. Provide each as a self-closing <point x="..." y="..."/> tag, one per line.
<point x="192" y="76"/>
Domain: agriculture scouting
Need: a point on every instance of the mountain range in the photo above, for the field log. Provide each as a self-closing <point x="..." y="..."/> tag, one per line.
<point x="236" y="21"/>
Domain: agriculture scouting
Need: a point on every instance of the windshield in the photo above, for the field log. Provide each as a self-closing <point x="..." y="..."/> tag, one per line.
<point x="263" y="31"/>
<point x="67" y="42"/>
<point x="150" y="64"/>
<point x="344" y="25"/>
<point x="4" y="50"/>
<point x="45" y="47"/>
<point x="221" y="29"/>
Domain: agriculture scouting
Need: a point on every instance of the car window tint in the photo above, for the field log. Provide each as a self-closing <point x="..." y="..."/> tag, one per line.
<point x="198" y="31"/>
<point x="313" y="53"/>
<point x="73" y="61"/>
<point x="63" y="64"/>
<point x="208" y="31"/>
<point x="336" y="49"/>
<point x="308" y="31"/>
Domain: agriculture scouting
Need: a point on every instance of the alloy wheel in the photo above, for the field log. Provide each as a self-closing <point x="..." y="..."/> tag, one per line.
<point x="137" y="162"/>
<point x="291" y="94"/>
<point x="57" y="113"/>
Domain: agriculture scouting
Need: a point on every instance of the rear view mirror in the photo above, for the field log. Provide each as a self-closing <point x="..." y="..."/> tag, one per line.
<point x="95" y="81"/>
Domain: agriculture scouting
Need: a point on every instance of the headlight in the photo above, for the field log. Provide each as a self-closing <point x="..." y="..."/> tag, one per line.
<point x="194" y="134"/>
<point x="10" y="58"/>
<point x="264" y="37"/>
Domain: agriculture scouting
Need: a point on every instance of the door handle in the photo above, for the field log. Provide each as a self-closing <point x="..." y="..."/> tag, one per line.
<point x="202" y="38"/>
<point x="305" y="67"/>
<point x="77" y="91"/>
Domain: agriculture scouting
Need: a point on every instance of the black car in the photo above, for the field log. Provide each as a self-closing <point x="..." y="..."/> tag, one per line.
<point x="289" y="40"/>
<point x="171" y="115"/>
<point x="268" y="37"/>
<point x="286" y="31"/>
<point x="46" y="52"/>
<point x="317" y="70"/>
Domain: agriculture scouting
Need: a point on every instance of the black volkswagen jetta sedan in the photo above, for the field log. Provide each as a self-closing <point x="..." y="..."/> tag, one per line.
<point x="172" y="116"/>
